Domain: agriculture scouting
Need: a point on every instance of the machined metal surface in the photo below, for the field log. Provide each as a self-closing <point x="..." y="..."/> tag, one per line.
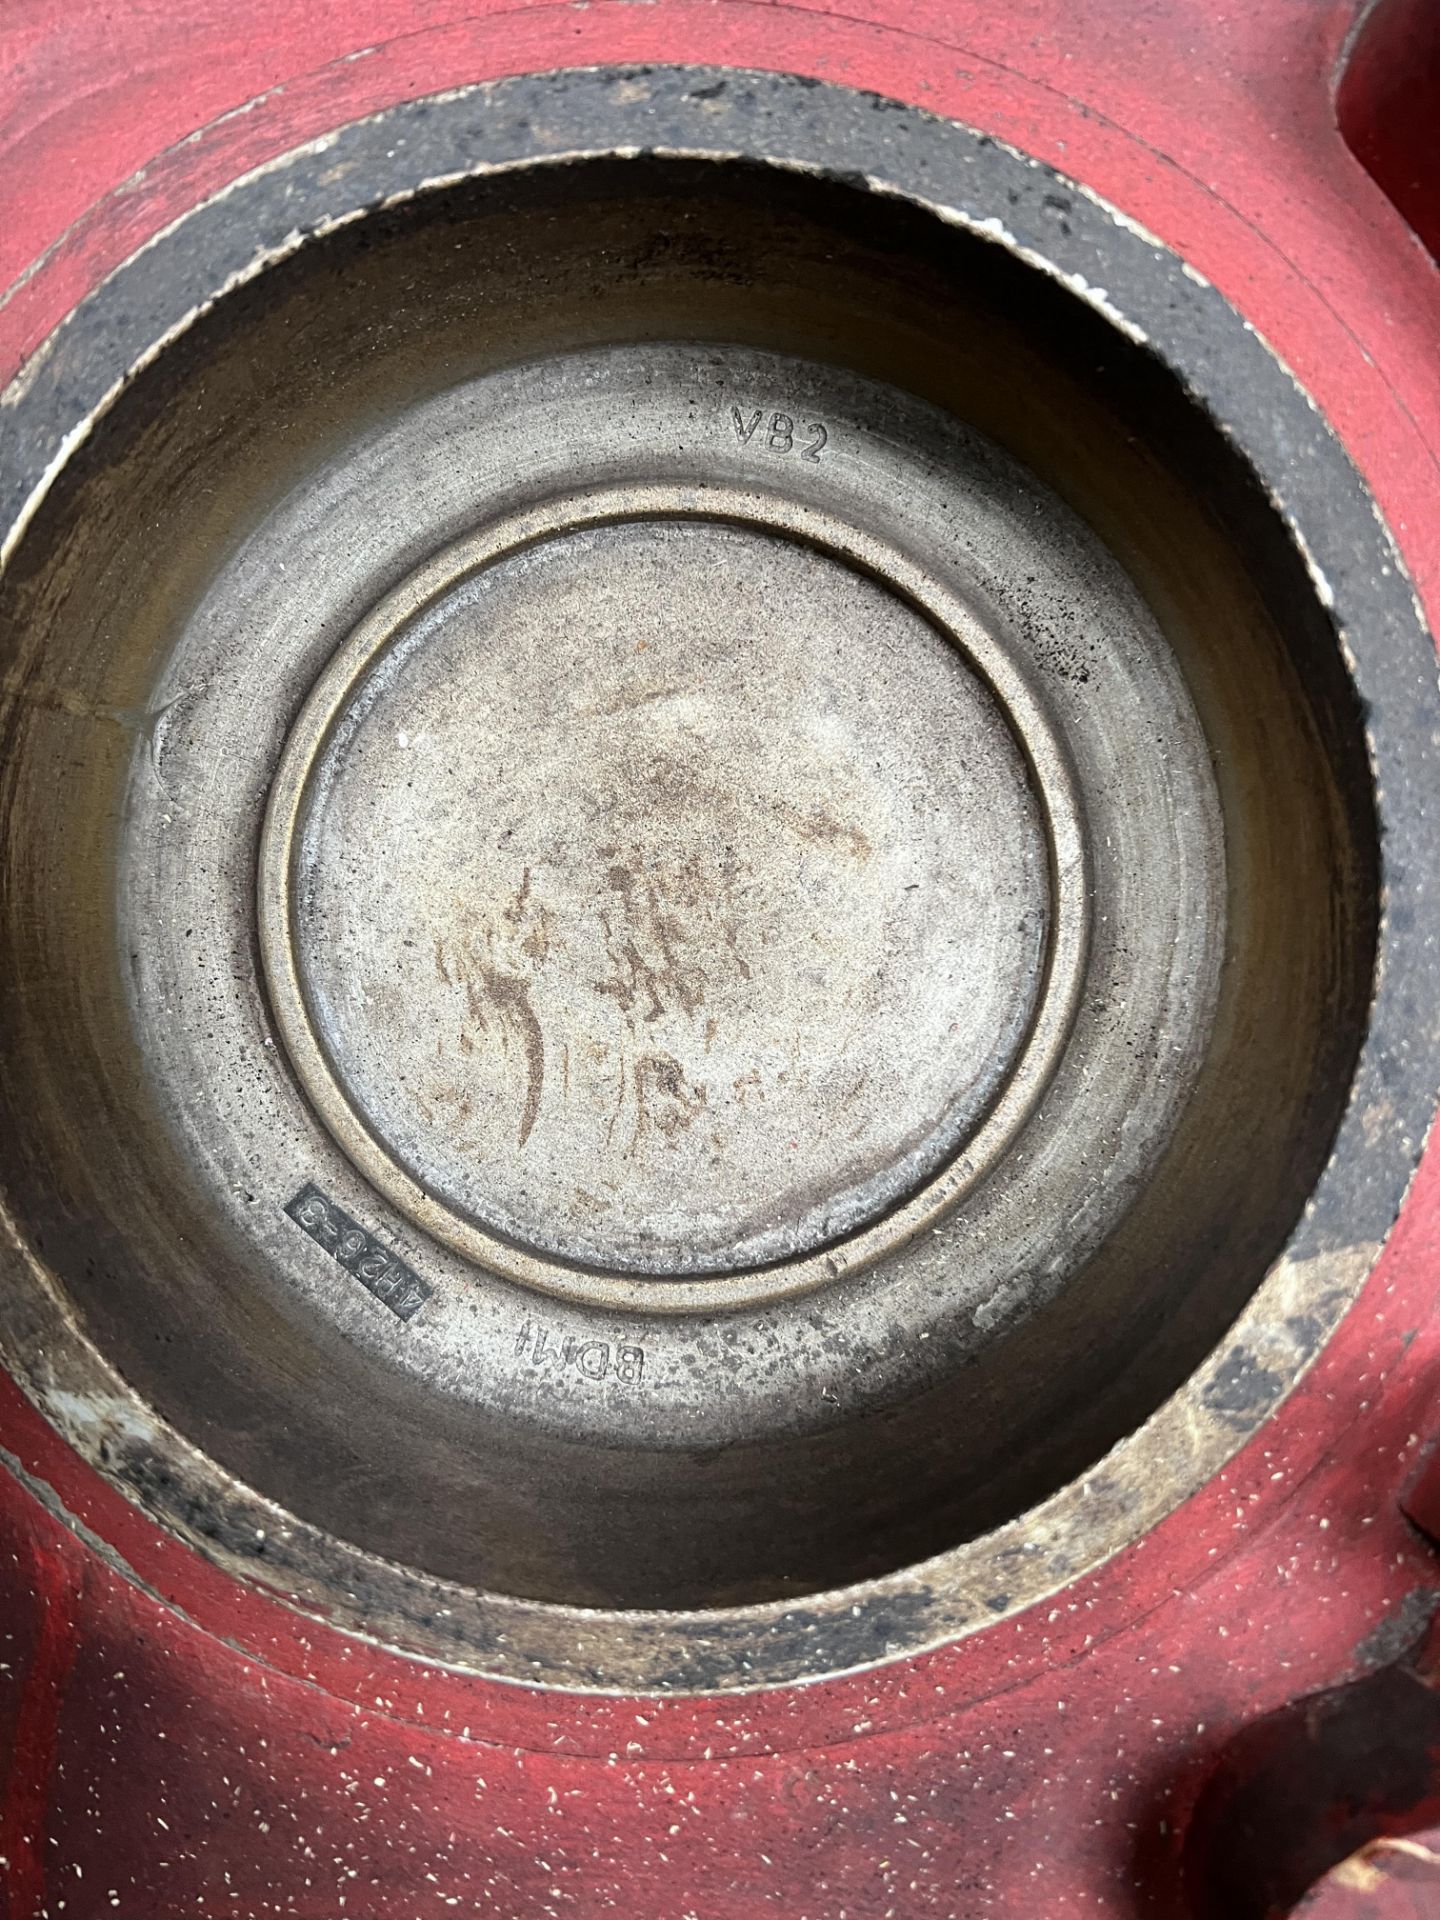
<point x="696" y="946"/>
<point x="676" y="895"/>
<point x="658" y="790"/>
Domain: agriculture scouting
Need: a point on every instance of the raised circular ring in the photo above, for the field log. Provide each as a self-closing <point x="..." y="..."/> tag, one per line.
<point x="1026" y="1071"/>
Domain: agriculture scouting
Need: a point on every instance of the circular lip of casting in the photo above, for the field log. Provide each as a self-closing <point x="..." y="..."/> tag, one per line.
<point x="1064" y="963"/>
<point x="965" y="178"/>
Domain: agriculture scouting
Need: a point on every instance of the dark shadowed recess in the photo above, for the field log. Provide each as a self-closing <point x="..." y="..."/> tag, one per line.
<point x="356" y="327"/>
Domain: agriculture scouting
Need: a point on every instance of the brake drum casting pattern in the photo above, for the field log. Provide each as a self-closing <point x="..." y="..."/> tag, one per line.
<point x="694" y="781"/>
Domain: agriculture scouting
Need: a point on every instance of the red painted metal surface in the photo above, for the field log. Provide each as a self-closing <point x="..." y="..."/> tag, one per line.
<point x="1388" y="99"/>
<point x="171" y="1744"/>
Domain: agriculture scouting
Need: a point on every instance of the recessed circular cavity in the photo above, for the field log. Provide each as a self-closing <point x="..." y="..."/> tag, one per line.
<point x="664" y="893"/>
<point x="447" y="631"/>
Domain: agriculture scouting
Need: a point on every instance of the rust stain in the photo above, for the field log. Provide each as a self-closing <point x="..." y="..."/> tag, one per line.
<point x="526" y="923"/>
<point x="748" y="1083"/>
<point x="490" y="993"/>
<point x="648" y="982"/>
<point x="536" y="944"/>
<point x="822" y="829"/>
<point x="474" y="1000"/>
<point x="515" y="912"/>
<point x="510" y="994"/>
<point x="628" y="702"/>
<point x="732" y="940"/>
<point x="664" y="1099"/>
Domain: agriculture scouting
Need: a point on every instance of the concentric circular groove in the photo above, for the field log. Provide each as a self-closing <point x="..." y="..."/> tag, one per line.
<point x="948" y="1158"/>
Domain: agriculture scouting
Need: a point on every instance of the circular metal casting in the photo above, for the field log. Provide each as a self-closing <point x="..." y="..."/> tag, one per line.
<point x="692" y="779"/>
<point x="723" y="916"/>
<point x="608" y="916"/>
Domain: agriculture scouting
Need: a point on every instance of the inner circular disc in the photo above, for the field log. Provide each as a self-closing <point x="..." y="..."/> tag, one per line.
<point x="670" y="897"/>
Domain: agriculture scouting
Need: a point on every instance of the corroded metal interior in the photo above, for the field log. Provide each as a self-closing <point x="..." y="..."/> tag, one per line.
<point x="690" y="885"/>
